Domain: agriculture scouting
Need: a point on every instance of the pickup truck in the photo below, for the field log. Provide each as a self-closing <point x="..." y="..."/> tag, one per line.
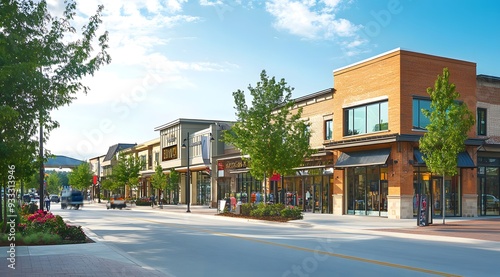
<point x="71" y="198"/>
<point x="116" y="201"/>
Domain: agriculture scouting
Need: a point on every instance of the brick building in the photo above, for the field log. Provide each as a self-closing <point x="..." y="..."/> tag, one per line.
<point x="377" y="126"/>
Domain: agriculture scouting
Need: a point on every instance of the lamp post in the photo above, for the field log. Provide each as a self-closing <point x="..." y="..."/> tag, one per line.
<point x="188" y="174"/>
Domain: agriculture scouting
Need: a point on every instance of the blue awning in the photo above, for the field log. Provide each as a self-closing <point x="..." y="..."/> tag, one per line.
<point x="363" y="158"/>
<point x="463" y="159"/>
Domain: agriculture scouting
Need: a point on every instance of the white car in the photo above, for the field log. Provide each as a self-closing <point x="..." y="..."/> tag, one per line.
<point x="491" y="201"/>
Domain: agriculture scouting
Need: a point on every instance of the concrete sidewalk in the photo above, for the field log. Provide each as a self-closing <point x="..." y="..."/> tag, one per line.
<point x="101" y="259"/>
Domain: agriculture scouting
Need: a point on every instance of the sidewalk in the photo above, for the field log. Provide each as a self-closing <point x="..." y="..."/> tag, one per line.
<point x="100" y="259"/>
<point x="479" y="228"/>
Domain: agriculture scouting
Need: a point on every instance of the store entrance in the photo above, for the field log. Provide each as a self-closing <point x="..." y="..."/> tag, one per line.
<point x="451" y="201"/>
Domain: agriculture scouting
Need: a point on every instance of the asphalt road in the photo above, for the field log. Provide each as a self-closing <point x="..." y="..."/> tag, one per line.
<point x="188" y="244"/>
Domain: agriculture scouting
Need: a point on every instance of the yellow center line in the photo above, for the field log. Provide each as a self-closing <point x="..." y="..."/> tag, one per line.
<point x="353" y="258"/>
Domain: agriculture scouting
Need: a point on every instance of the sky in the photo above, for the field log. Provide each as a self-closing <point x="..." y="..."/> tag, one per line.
<point x="184" y="58"/>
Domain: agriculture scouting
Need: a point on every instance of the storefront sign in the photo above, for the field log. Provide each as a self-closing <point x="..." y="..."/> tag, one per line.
<point x="169" y="153"/>
<point x="171" y="139"/>
<point x="236" y="164"/>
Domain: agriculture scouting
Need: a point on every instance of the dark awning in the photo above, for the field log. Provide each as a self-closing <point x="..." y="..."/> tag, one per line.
<point x="363" y="158"/>
<point x="463" y="159"/>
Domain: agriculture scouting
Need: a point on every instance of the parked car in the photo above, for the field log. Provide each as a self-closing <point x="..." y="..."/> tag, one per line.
<point x="54" y="198"/>
<point x="35" y="199"/>
<point x="491" y="201"/>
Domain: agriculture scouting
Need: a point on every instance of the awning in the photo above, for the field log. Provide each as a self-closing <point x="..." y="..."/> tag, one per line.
<point x="463" y="159"/>
<point x="363" y="158"/>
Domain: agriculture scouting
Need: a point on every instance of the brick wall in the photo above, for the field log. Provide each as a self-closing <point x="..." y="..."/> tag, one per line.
<point x="398" y="76"/>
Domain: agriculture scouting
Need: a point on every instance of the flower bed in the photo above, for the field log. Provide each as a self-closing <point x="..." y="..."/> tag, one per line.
<point x="42" y="228"/>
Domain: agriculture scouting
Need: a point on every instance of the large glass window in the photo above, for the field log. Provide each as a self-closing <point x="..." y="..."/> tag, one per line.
<point x="481" y="122"/>
<point x="366" y="119"/>
<point x="420" y="121"/>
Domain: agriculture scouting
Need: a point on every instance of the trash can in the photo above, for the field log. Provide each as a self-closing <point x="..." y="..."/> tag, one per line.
<point x="238" y="207"/>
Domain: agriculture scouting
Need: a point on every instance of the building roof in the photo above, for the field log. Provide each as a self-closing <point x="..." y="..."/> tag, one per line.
<point x="488" y="78"/>
<point x="62" y="162"/>
<point x="328" y="91"/>
<point x="116" y="148"/>
<point x="189" y="120"/>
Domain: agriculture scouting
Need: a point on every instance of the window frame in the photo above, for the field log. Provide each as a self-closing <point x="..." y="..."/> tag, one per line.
<point x="418" y="125"/>
<point x="352" y="118"/>
<point x="328" y="129"/>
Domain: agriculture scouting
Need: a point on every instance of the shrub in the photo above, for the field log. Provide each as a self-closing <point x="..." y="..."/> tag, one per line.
<point x="292" y="212"/>
<point x="246" y="209"/>
<point x="73" y="233"/>
<point x="4" y="239"/>
<point x="143" y="202"/>
<point x="40" y="238"/>
<point x="263" y="210"/>
<point x="29" y="208"/>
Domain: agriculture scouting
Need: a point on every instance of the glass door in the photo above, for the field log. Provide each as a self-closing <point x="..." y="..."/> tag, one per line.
<point x="384" y="190"/>
<point x="436" y="196"/>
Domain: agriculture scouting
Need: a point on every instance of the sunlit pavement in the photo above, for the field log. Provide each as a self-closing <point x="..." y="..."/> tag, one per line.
<point x="100" y="259"/>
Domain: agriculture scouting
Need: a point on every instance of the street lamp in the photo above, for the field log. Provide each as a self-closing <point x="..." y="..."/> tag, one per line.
<point x="188" y="173"/>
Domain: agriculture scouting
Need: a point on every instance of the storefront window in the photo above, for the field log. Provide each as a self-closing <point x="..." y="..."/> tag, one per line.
<point x="430" y="186"/>
<point x="245" y="186"/>
<point x="203" y="189"/>
<point x="367" y="189"/>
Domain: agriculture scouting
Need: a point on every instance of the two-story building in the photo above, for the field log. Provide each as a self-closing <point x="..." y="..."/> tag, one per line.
<point x="378" y="122"/>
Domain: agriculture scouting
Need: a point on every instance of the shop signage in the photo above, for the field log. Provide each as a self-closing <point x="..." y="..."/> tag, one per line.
<point x="275" y="177"/>
<point x="171" y="139"/>
<point x="220" y="165"/>
<point x="169" y="153"/>
<point x="236" y="164"/>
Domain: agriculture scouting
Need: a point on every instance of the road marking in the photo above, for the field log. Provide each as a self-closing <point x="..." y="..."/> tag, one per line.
<point x="348" y="257"/>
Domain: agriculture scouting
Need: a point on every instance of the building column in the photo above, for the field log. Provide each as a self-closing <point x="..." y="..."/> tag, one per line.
<point x="469" y="205"/>
<point x="400" y="206"/>
<point x="337" y="203"/>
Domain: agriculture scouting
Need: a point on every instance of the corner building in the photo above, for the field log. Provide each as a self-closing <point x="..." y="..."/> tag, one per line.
<point x="377" y="124"/>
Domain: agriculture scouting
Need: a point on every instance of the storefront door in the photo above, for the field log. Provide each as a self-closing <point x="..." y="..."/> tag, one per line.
<point x="451" y="201"/>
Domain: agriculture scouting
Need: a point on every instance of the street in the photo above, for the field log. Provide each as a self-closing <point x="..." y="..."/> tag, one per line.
<point x="188" y="244"/>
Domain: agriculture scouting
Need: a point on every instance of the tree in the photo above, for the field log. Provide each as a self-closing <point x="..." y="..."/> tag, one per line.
<point x="54" y="183"/>
<point x="63" y="177"/>
<point x="173" y="185"/>
<point x="126" y="171"/>
<point x="275" y="139"/>
<point x="43" y="60"/>
<point x="159" y="179"/>
<point x="450" y="120"/>
<point x="81" y="177"/>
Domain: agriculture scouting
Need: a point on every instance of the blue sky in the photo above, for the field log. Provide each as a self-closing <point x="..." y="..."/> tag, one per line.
<point x="184" y="58"/>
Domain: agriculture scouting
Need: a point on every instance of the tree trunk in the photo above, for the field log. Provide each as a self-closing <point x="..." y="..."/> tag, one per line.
<point x="444" y="200"/>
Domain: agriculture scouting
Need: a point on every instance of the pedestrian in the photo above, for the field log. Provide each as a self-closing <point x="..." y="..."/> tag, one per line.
<point x="152" y="200"/>
<point x="47" y="202"/>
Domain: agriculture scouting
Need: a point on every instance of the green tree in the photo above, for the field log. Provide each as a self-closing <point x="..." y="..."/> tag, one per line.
<point x="54" y="183"/>
<point x="109" y="184"/>
<point x="159" y="179"/>
<point x="173" y="185"/>
<point x="126" y="171"/>
<point x="275" y="139"/>
<point x="42" y="60"/>
<point x="450" y="121"/>
<point x="81" y="177"/>
<point x="63" y="177"/>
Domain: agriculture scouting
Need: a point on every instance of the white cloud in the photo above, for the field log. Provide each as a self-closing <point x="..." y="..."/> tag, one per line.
<point x="310" y="19"/>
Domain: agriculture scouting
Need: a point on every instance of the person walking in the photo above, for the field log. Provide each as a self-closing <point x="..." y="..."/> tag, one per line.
<point x="152" y="198"/>
<point x="47" y="202"/>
